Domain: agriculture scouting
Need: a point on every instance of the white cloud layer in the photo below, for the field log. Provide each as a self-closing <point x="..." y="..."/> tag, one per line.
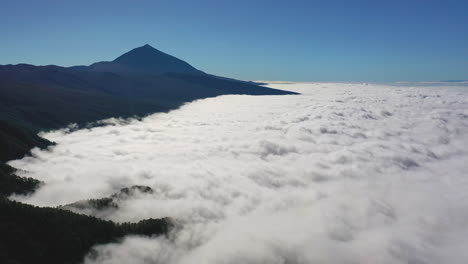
<point x="344" y="173"/>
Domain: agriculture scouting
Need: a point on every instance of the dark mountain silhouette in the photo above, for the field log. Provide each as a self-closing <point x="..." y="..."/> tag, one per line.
<point x="139" y="82"/>
<point x="145" y="59"/>
<point x="35" y="98"/>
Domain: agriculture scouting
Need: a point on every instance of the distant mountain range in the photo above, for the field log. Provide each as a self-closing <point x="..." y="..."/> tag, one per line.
<point x="455" y="81"/>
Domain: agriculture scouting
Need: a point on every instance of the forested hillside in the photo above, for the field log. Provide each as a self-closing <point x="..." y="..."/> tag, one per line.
<point x="31" y="234"/>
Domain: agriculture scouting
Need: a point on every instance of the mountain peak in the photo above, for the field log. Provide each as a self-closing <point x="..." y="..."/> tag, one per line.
<point x="146" y="59"/>
<point x="145" y="47"/>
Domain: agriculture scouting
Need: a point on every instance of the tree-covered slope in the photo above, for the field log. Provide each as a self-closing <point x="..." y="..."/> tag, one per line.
<point x="10" y="183"/>
<point x="32" y="234"/>
<point x="16" y="141"/>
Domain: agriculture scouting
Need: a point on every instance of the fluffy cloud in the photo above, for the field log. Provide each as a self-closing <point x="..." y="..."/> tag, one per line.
<point x="344" y="173"/>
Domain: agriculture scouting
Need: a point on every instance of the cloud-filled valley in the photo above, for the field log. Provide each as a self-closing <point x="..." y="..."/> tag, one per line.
<point x="343" y="173"/>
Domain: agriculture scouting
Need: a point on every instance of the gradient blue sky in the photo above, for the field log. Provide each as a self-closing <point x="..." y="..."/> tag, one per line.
<point x="251" y="40"/>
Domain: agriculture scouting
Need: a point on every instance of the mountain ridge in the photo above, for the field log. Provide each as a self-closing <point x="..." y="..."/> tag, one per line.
<point x="139" y="82"/>
<point x="37" y="98"/>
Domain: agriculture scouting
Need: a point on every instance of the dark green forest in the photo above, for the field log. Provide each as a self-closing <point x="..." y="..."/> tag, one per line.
<point x="32" y="234"/>
<point x="15" y="142"/>
<point x="11" y="183"/>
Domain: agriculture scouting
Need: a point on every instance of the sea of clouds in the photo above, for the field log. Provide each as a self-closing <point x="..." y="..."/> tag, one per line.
<point x="343" y="173"/>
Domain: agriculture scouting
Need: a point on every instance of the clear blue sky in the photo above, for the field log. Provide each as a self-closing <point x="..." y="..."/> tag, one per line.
<point x="269" y="40"/>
